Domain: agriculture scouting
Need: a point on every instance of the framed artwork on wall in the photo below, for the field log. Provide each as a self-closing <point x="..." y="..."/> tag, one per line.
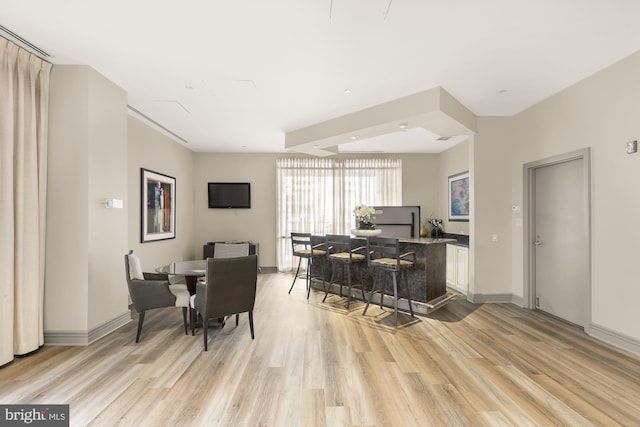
<point x="158" y="215"/>
<point x="459" y="197"/>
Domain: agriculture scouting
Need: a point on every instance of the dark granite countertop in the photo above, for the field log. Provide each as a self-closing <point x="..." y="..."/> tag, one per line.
<point x="461" y="239"/>
<point x="427" y="240"/>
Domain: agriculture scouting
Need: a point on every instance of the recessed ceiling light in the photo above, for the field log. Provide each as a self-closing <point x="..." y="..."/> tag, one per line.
<point x="315" y="146"/>
<point x="354" y="137"/>
<point x="503" y="91"/>
<point x="347" y="91"/>
<point x="444" y="138"/>
<point x="403" y="126"/>
<point x="188" y="87"/>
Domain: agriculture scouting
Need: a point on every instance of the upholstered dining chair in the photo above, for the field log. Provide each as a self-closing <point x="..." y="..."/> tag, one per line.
<point x="383" y="255"/>
<point x="302" y="248"/>
<point x="153" y="290"/>
<point x="229" y="288"/>
<point x="342" y="257"/>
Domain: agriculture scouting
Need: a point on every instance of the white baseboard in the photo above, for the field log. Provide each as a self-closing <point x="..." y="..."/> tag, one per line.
<point x="86" y="337"/>
<point x="494" y="298"/>
<point x="614" y="338"/>
<point x="601" y="333"/>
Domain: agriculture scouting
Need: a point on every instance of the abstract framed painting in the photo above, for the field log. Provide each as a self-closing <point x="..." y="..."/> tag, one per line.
<point x="459" y="197"/>
<point x="158" y="216"/>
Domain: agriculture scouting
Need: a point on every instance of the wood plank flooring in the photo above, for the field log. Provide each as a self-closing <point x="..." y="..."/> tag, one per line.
<point x="317" y="364"/>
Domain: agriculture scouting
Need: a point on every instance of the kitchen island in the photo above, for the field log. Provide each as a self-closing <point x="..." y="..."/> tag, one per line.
<point x="427" y="280"/>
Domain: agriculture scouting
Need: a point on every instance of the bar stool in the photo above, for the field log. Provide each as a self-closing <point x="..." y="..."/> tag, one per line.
<point x="383" y="255"/>
<point x="303" y="249"/>
<point x="340" y="254"/>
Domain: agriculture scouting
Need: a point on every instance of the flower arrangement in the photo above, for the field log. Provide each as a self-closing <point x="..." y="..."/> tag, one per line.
<point x="364" y="217"/>
<point x="435" y="223"/>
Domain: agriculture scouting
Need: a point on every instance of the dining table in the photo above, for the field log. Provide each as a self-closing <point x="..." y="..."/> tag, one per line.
<point x="190" y="270"/>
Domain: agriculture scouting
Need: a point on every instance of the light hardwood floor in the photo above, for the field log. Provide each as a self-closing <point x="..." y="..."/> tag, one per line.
<point x="317" y="364"/>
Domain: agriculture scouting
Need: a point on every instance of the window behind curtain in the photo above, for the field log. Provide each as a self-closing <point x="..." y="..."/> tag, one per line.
<point x="318" y="196"/>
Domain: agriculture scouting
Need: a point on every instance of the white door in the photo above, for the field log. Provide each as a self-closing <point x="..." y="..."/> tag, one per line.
<point x="560" y="241"/>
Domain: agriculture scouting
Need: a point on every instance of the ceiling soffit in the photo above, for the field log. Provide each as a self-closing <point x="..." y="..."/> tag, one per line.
<point x="434" y="109"/>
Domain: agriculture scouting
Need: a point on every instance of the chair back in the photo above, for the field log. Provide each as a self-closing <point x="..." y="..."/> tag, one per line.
<point x="231" y="250"/>
<point x="230" y="286"/>
<point x="131" y="269"/>
<point x="127" y="268"/>
<point x="385" y="250"/>
<point x="339" y="249"/>
<point x="301" y="244"/>
<point x="336" y="243"/>
<point x="132" y="266"/>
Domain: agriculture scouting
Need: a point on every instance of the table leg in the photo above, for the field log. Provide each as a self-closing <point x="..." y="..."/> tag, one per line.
<point x="191" y="283"/>
<point x="191" y="286"/>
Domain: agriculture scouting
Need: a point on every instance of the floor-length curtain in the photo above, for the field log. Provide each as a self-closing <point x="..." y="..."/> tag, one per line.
<point x="304" y="201"/>
<point x="318" y="195"/>
<point x="24" y="93"/>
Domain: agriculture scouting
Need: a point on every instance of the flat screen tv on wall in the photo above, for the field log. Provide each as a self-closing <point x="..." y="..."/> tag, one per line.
<point x="229" y="195"/>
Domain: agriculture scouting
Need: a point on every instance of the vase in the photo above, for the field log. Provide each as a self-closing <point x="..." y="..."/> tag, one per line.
<point x="436" y="233"/>
<point x="366" y="233"/>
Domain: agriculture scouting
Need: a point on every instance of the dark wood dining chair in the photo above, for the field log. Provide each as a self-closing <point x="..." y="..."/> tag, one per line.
<point x="229" y="288"/>
<point x="152" y="290"/>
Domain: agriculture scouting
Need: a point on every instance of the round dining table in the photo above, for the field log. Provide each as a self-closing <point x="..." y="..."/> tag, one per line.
<point x="190" y="270"/>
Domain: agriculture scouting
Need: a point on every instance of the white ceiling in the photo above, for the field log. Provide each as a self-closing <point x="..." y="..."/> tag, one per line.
<point x="236" y="75"/>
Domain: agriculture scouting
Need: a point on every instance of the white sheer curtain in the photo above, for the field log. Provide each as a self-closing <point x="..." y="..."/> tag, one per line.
<point x="24" y="98"/>
<point x="318" y="196"/>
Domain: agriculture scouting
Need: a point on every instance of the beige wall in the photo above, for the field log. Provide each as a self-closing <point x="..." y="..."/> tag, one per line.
<point x="96" y="152"/>
<point x="108" y="228"/>
<point x="420" y="174"/>
<point x="493" y="185"/>
<point x="86" y="164"/>
<point x="84" y="260"/>
<point x="601" y="112"/>
<point x="451" y="162"/>
<point x="257" y="224"/>
<point x="152" y="150"/>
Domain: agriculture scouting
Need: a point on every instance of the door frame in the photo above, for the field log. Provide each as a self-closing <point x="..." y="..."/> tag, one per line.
<point x="529" y="223"/>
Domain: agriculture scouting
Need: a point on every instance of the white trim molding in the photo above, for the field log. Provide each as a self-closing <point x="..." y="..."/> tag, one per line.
<point x="616" y="339"/>
<point x="495" y="298"/>
<point x="86" y="337"/>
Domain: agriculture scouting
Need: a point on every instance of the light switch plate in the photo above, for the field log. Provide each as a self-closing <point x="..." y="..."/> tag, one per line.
<point x="632" y="147"/>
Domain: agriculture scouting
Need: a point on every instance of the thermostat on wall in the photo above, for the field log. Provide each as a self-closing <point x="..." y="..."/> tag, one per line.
<point x="113" y="203"/>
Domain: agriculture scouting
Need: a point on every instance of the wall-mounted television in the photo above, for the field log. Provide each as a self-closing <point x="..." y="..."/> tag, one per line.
<point x="229" y="195"/>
